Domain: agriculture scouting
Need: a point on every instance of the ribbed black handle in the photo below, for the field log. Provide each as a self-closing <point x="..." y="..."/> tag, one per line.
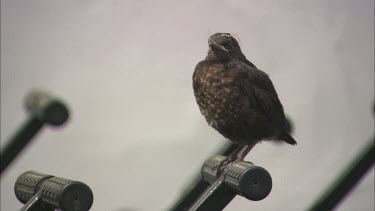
<point x="243" y="178"/>
<point x="56" y="192"/>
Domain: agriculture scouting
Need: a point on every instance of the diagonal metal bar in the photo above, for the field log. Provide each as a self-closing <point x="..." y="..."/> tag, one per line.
<point x="216" y="196"/>
<point x="347" y="180"/>
<point x="198" y="186"/>
<point x="18" y="142"/>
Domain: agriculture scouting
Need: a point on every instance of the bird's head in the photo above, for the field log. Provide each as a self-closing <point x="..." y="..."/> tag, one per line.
<point x="223" y="46"/>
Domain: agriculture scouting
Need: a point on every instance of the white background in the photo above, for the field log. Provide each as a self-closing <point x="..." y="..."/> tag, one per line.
<point x="136" y="135"/>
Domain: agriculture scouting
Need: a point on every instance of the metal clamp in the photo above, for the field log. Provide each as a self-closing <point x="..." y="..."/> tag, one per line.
<point x="243" y="178"/>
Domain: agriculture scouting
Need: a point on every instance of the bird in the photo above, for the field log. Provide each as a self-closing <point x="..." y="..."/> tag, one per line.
<point x="236" y="98"/>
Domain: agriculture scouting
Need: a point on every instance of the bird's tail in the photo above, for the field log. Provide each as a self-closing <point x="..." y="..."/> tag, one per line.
<point x="287" y="138"/>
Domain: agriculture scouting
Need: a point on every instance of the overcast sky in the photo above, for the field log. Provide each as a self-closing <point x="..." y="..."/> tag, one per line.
<point x="136" y="135"/>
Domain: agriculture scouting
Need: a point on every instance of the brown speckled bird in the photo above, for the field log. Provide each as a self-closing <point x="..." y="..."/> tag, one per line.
<point x="235" y="97"/>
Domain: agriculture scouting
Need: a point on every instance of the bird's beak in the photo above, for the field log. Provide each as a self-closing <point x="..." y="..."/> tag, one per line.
<point x="216" y="46"/>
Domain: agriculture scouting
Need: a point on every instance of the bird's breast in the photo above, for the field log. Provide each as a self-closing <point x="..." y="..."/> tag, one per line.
<point x="218" y="94"/>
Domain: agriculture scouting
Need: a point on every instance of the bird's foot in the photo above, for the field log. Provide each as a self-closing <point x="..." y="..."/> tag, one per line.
<point x="236" y="155"/>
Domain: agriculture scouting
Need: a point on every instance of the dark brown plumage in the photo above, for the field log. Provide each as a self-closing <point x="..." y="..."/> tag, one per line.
<point x="235" y="97"/>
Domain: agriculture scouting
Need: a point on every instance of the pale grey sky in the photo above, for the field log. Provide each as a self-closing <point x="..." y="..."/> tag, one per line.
<point x="136" y="135"/>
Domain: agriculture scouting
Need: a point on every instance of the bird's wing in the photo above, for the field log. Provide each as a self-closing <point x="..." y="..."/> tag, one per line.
<point x="262" y="94"/>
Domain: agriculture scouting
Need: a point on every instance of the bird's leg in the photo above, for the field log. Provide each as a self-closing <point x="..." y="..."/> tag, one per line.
<point x="244" y="150"/>
<point x="238" y="154"/>
<point x="233" y="155"/>
<point x="230" y="158"/>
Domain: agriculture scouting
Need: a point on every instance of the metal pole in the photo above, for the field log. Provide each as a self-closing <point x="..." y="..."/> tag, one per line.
<point x="198" y="185"/>
<point x="43" y="108"/>
<point x="19" y="141"/>
<point x="346" y="181"/>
